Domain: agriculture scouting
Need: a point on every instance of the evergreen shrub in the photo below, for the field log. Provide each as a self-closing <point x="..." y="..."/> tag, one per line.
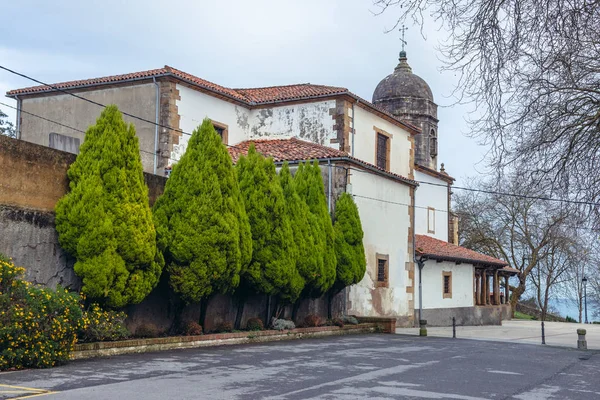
<point x="38" y="326"/>
<point x="102" y="325"/>
<point x="201" y="222"/>
<point x="224" y="327"/>
<point x="312" y="321"/>
<point x="104" y="221"/>
<point x="338" y="322"/>
<point x="349" y="319"/>
<point x="192" y="328"/>
<point x="283" y="324"/>
<point x="255" y="324"/>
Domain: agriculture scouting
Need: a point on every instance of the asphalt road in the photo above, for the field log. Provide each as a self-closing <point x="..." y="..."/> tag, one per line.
<point x="352" y="367"/>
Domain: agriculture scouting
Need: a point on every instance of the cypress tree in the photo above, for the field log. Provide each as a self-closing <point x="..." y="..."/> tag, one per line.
<point x="105" y="220"/>
<point x="307" y="260"/>
<point x="349" y="248"/>
<point x="309" y="185"/>
<point x="201" y="223"/>
<point x="272" y="270"/>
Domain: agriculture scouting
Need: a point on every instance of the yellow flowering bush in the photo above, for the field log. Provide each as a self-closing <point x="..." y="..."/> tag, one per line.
<point x="38" y="326"/>
<point x="102" y="325"/>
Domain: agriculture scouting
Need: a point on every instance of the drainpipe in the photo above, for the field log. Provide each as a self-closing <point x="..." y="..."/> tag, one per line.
<point x="156" y="124"/>
<point x="353" y="128"/>
<point x="421" y="260"/>
<point x="329" y="186"/>
<point x="18" y="117"/>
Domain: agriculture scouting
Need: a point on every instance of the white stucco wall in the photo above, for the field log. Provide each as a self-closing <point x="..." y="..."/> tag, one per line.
<point x="309" y="121"/>
<point x="462" y="285"/>
<point x="385" y="229"/>
<point x="435" y="197"/>
<point x="194" y="106"/>
<point x="365" y="138"/>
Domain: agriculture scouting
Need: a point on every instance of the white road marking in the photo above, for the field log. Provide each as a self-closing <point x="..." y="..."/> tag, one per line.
<point x="492" y="371"/>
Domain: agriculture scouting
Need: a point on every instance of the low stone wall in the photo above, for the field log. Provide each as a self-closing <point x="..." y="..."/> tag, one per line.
<point x="104" y="349"/>
<point x="466" y="316"/>
<point x="534" y="312"/>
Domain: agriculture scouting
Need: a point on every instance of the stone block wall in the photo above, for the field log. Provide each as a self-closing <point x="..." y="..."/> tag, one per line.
<point x="34" y="179"/>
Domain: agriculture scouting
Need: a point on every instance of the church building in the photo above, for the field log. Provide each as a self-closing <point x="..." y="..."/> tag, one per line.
<point x="384" y="152"/>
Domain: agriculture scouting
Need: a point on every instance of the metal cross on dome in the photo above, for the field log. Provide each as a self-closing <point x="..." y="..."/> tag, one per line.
<point x="403" y="29"/>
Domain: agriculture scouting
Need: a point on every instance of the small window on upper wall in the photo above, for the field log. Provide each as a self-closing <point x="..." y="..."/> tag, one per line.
<point x="382" y="152"/>
<point x="447" y="285"/>
<point x="433" y="144"/>
<point x="222" y="130"/>
<point x="382" y="270"/>
<point x="430" y="220"/>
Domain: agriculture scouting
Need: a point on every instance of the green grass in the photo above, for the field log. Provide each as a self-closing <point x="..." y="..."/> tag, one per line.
<point x="520" y="315"/>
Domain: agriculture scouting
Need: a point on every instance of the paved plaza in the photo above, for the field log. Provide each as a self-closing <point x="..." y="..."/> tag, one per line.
<point x="376" y="366"/>
<point x="519" y="331"/>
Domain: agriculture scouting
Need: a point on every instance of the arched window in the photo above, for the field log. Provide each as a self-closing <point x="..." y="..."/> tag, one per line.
<point x="433" y="144"/>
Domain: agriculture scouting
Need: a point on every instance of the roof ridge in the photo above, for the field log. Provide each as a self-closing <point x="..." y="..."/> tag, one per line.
<point x="291" y="85"/>
<point x="79" y="82"/>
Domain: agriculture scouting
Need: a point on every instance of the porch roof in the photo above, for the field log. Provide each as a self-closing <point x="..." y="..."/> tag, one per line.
<point x="440" y="250"/>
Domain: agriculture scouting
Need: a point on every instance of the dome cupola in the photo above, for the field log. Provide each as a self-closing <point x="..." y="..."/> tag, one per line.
<point x="402" y="83"/>
<point x="409" y="98"/>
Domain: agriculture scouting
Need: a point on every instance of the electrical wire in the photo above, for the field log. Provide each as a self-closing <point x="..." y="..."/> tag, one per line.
<point x="498" y="193"/>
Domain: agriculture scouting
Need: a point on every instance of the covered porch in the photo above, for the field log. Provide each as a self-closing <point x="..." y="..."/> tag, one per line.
<point x="487" y="281"/>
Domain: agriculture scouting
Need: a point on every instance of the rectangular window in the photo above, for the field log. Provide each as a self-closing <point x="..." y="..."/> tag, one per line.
<point x="447" y="284"/>
<point x="222" y="130"/>
<point x="382" y="151"/>
<point x="430" y="220"/>
<point x="382" y="270"/>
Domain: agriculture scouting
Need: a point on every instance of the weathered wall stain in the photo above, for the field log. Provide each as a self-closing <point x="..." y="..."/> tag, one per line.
<point x="311" y="122"/>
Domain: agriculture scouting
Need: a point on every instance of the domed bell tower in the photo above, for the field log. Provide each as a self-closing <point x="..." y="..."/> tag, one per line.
<point x="409" y="97"/>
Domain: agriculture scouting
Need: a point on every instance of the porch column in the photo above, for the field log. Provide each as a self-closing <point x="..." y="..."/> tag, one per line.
<point x="496" y="288"/>
<point x="477" y="290"/>
<point x="506" y="290"/>
<point x="484" y="288"/>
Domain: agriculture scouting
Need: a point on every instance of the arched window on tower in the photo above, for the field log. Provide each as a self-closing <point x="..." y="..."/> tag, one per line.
<point x="433" y="144"/>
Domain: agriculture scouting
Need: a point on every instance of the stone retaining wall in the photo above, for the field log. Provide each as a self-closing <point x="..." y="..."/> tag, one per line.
<point x="534" y="312"/>
<point x="466" y="316"/>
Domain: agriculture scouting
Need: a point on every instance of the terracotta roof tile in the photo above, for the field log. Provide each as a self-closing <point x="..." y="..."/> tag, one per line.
<point x="249" y="96"/>
<point x="439" y="250"/>
<point x="289" y="92"/>
<point x="89" y="82"/>
<point x="206" y="84"/>
<point x="300" y="150"/>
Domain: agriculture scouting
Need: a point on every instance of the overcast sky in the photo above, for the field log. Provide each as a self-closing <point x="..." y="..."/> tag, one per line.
<point x="236" y="43"/>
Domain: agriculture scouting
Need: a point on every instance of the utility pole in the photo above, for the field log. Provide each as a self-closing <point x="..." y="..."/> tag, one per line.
<point x="584" y="280"/>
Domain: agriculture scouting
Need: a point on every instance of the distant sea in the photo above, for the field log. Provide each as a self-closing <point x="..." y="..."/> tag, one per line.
<point x="567" y="307"/>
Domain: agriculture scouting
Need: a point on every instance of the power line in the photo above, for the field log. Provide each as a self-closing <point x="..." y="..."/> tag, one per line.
<point x="523" y="196"/>
<point x="58" y="123"/>
<point x="335" y="166"/>
<point x="45" y="119"/>
<point x="498" y="193"/>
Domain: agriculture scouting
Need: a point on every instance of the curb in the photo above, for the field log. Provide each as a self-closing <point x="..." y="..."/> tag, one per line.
<point x="105" y="349"/>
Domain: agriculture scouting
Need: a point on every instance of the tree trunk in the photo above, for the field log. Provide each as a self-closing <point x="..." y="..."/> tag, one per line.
<point x="516" y="294"/>
<point x="330" y="296"/>
<point x="268" y="312"/>
<point x="240" y="310"/>
<point x="203" y="308"/>
<point x="177" y="306"/>
<point x="295" y="309"/>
